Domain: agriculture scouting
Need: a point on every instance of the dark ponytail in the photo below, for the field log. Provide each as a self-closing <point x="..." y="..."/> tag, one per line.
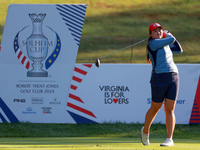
<point x="147" y="52"/>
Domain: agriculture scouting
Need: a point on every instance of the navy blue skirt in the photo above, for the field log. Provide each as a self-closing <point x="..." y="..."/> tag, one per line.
<point x="164" y="85"/>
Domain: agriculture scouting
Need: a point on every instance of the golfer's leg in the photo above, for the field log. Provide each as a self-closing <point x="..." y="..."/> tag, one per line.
<point x="150" y="115"/>
<point x="169" y="108"/>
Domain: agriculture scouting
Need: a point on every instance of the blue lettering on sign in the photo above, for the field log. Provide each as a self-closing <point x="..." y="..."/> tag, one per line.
<point x="182" y="102"/>
<point x="149" y="101"/>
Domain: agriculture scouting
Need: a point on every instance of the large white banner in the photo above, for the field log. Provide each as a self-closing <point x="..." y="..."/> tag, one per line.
<point x="38" y="53"/>
<point x="121" y="92"/>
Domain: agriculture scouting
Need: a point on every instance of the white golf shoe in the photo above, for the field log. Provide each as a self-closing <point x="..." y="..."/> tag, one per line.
<point x="144" y="138"/>
<point x="168" y="142"/>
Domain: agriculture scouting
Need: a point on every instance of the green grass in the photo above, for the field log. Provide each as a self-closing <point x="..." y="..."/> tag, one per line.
<point x="113" y="136"/>
<point x="113" y="24"/>
<point x="93" y="130"/>
<point x="97" y="143"/>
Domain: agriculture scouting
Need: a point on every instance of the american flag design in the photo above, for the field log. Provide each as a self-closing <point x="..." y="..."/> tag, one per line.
<point x="22" y="58"/>
<point x="195" y="115"/>
<point x="73" y="16"/>
<point x="75" y="104"/>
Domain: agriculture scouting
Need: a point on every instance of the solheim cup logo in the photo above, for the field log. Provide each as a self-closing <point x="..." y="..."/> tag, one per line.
<point x="32" y="50"/>
<point x="37" y="47"/>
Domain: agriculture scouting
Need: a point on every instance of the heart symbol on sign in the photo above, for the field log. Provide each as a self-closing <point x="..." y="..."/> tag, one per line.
<point x="115" y="100"/>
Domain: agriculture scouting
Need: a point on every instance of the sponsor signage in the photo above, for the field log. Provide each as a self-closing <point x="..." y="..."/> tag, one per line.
<point x="115" y="94"/>
<point x="38" y="53"/>
<point x="122" y="92"/>
<point x="37" y="100"/>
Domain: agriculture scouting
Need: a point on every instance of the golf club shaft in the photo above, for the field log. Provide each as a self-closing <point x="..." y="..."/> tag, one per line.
<point x="124" y="48"/>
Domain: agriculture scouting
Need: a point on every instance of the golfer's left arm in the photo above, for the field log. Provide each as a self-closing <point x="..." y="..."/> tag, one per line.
<point x="176" y="47"/>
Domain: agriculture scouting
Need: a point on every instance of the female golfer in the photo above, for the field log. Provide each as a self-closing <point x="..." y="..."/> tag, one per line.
<point x="164" y="80"/>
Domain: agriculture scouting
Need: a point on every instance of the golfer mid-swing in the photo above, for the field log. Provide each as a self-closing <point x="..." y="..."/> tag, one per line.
<point x="164" y="80"/>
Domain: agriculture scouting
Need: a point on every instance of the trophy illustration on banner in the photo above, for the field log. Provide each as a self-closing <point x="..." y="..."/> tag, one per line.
<point x="37" y="46"/>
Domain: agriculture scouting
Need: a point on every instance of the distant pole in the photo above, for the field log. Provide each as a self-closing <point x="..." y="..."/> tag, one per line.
<point x="132" y="40"/>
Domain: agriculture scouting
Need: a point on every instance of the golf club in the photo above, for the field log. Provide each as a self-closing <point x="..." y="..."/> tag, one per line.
<point x="97" y="62"/>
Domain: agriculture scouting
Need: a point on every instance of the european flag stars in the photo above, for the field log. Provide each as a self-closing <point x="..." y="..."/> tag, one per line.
<point x="55" y="53"/>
